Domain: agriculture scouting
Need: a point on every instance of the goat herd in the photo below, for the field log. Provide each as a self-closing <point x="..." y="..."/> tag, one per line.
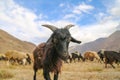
<point x="107" y="57"/>
<point x="15" y="57"/>
<point x="49" y="55"/>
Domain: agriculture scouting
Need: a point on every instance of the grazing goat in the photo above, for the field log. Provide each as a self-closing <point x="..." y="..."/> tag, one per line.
<point x="14" y="56"/>
<point x="91" y="55"/>
<point x="49" y="55"/>
<point x="110" y="57"/>
<point x="74" y="56"/>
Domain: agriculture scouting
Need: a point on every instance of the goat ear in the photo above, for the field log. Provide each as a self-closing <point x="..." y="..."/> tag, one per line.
<point x="69" y="26"/>
<point x="74" y="40"/>
<point x="51" y="27"/>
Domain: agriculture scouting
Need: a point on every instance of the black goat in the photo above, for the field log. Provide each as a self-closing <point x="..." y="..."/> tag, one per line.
<point x="110" y="57"/>
<point x="49" y="55"/>
<point x="75" y="56"/>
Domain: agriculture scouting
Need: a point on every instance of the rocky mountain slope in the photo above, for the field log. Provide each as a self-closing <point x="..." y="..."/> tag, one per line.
<point x="9" y="42"/>
<point x="111" y="42"/>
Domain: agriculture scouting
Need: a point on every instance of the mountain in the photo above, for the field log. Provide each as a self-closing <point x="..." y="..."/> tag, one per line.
<point x="9" y="42"/>
<point x="114" y="41"/>
<point x="111" y="42"/>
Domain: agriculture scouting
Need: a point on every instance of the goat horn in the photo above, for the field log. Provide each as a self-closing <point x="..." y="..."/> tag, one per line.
<point x="53" y="28"/>
<point x="69" y="26"/>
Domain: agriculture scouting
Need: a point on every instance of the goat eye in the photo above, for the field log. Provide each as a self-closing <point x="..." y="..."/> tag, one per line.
<point x="55" y="40"/>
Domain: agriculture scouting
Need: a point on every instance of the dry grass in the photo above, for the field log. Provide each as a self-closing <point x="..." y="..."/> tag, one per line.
<point x="72" y="71"/>
<point x="4" y="74"/>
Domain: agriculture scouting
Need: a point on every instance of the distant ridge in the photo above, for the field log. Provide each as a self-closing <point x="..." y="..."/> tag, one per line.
<point x="9" y="42"/>
<point x="111" y="42"/>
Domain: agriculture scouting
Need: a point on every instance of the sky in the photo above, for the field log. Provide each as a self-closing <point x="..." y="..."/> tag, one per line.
<point x="93" y="19"/>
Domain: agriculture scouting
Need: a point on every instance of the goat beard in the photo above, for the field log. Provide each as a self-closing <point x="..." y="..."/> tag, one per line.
<point x="63" y="57"/>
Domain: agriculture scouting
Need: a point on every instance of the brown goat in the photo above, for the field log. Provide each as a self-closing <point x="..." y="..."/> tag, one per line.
<point x="89" y="56"/>
<point x="49" y="55"/>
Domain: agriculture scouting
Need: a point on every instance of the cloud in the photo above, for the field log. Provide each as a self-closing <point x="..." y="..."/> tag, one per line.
<point x="118" y="27"/>
<point x="92" y="32"/>
<point x="20" y="22"/>
<point x="68" y="16"/>
<point x="115" y="11"/>
<point x="62" y="5"/>
<point x="82" y="8"/>
<point x="112" y="7"/>
<point x="106" y="24"/>
<point x="75" y="13"/>
<point x="26" y="25"/>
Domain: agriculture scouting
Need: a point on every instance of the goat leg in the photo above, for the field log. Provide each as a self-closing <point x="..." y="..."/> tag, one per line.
<point x="56" y="76"/>
<point x="46" y="74"/>
<point x="112" y="65"/>
<point x="35" y="70"/>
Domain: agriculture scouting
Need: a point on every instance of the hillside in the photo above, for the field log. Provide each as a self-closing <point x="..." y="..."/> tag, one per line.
<point x="114" y="41"/>
<point x="9" y="42"/>
<point x="111" y="42"/>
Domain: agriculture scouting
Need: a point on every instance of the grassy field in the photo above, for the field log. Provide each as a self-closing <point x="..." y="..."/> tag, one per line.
<point x="71" y="71"/>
